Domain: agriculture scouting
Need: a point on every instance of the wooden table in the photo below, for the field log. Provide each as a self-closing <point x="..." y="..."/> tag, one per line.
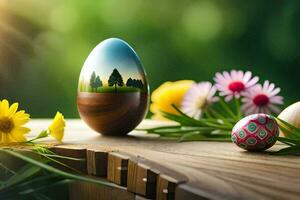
<point x="148" y="167"/>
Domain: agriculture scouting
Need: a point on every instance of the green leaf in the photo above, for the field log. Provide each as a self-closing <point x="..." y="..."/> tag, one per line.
<point x="288" y="141"/>
<point x="215" y="114"/>
<point x="158" y="128"/>
<point x="198" y="137"/>
<point x="24" y="173"/>
<point x="288" y="150"/>
<point x="289" y="130"/>
<point x="227" y="109"/>
<point x="30" y="185"/>
<point x="181" y="120"/>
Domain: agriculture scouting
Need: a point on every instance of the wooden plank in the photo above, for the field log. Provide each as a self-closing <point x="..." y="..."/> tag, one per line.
<point x="166" y="187"/>
<point x="117" y="167"/>
<point x="88" y="191"/>
<point x="74" y="152"/>
<point x="141" y="179"/>
<point x="97" y="162"/>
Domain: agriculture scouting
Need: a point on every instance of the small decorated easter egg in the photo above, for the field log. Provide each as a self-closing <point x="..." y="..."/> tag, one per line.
<point x="255" y="132"/>
<point x="113" y="91"/>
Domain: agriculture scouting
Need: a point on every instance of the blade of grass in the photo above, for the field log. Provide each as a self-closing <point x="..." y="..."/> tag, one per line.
<point x="287" y="151"/>
<point x="227" y="109"/>
<point x="238" y="109"/>
<point x="294" y="130"/>
<point x="57" y="171"/>
<point x="24" y="173"/>
<point x="288" y="141"/>
<point x="288" y="133"/>
<point x="158" y="128"/>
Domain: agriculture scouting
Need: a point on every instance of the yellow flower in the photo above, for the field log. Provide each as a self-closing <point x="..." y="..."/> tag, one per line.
<point x="11" y="123"/>
<point x="167" y="94"/>
<point x="57" y="127"/>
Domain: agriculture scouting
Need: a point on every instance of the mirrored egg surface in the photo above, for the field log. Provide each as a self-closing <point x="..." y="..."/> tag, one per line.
<point x="113" y="92"/>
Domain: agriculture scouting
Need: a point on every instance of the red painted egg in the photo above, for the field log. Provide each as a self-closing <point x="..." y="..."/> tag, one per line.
<point x="255" y="132"/>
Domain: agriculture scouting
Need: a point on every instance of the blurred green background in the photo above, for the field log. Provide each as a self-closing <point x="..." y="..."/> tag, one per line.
<point x="43" y="44"/>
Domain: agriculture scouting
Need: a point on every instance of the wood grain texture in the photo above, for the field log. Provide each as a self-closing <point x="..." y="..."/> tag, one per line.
<point x="117" y="167"/>
<point x="141" y="179"/>
<point x="166" y="187"/>
<point x="88" y="191"/>
<point x="201" y="170"/>
<point x="74" y="152"/>
<point x="112" y="113"/>
<point x="97" y="162"/>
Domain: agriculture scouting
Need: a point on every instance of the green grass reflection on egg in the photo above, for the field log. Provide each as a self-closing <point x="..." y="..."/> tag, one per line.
<point x="113" y="91"/>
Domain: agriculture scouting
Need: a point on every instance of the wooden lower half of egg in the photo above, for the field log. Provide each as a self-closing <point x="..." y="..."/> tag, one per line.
<point x="113" y="113"/>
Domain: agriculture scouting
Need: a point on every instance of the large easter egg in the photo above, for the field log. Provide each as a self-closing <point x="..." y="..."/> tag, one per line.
<point x="291" y="115"/>
<point x="255" y="132"/>
<point x="113" y="91"/>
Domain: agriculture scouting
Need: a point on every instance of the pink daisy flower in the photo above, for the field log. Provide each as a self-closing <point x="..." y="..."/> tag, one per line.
<point x="235" y="83"/>
<point x="262" y="99"/>
<point x="198" y="98"/>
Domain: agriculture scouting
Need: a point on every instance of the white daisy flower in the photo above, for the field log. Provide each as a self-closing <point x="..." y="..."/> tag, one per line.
<point x="198" y="98"/>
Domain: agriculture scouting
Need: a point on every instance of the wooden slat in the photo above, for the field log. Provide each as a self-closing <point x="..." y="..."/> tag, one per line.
<point x="117" y="167"/>
<point x="166" y="187"/>
<point x="74" y="152"/>
<point x="97" y="162"/>
<point x="141" y="179"/>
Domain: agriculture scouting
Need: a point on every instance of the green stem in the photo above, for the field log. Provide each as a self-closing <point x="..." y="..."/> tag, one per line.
<point x="227" y="109"/>
<point x="43" y="134"/>
<point x="158" y="128"/>
<point x="238" y="109"/>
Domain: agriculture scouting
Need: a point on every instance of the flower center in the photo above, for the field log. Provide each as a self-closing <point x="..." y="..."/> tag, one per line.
<point x="6" y="125"/>
<point x="236" y="86"/>
<point x="201" y="103"/>
<point x="261" y="100"/>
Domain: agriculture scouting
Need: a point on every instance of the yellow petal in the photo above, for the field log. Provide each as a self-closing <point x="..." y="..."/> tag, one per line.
<point x="4" y="107"/>
<point x="161" y="89"/>
<point x="6" y="139"/>
<point x="5" y="104"/>
<point x="158" y="117"/>
<point x="20" y="130"/>
<point x="18" y="137"/>
<point x="58" y="134"/>
<point x="20" y="113"/>
<point x="167" y="94"/>
<point x="20" y="121"/>
<point x="12" y="110"/>
<point x="57" y="127"/>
